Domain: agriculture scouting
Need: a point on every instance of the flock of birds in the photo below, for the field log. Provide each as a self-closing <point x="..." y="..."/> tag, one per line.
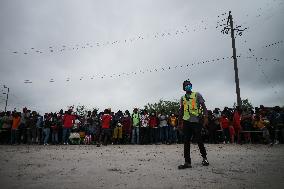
<point x="202" y="25"/>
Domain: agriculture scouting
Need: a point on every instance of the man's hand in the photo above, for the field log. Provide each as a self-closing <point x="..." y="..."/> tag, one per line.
<point x="180" y="125"/>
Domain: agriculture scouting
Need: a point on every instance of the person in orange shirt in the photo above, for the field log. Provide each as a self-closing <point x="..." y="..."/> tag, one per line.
<point x="15" y="125"/>
<point x="173" y="128"/>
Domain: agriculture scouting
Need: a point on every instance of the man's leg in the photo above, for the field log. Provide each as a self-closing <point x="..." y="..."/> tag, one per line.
<point x="187" y="131"/>
<point x="13" y="133"/>
<point x="142" y="135"/>
<point x="167" y="137"/>
<point x="133" y="136"/>
<point x="161" y="134"/>
<point x="64" y="135"/>
<point x="197" y="132"/>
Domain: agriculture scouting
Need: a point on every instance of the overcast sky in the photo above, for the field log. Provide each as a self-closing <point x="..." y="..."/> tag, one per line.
<point x="148" y="35"/>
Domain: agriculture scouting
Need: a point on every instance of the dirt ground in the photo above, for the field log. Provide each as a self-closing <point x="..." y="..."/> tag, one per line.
<point x="138" y="166"/>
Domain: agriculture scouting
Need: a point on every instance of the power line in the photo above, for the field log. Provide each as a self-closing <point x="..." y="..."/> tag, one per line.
<point x="152" y="70"/>
<point x="267" y="79"/>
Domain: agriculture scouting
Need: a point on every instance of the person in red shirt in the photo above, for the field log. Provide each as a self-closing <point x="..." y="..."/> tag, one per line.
<point x="153" y="124"/>
<point x="237" y="123"/>
<point x="106" y="127"/>
<point x="232" y="134"/>
<point x="224" y="121"/>
<point x="68" y="121"/>
<point x="126" y="127"/>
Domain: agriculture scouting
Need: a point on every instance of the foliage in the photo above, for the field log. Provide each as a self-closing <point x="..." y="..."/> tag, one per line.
<point x="163" y="105"/>
<point x="246" y="104"/>
<point x="81" y="110"/>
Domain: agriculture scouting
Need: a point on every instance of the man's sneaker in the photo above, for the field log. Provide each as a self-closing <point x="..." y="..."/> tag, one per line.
<point x="205" y="162"/>
<point x="185" y="166"/>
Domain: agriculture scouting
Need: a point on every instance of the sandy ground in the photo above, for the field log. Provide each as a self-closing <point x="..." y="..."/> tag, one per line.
<point x="135" y="166"/>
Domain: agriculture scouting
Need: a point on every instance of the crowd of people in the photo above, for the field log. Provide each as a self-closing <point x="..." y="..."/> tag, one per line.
<point x="259" y="125"/>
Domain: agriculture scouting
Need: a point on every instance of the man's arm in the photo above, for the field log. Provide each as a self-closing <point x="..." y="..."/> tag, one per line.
<point x="204" y="109"/>
<point x="180" y="115"/>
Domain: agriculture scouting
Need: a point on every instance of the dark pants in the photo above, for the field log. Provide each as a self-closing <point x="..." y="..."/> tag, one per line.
<point x="172" y="134"/>
<point x="5" y="136"/>
<point x="154" y="135"/>
<point x="272" y="133"/>
<point x="105" y="136"/>
<point x="212" y="133"/>
<point x="14" y="136"/>
<point x="144" y="135"/>
<point x="226" y="134"/>
<point x="164" y="134"/>
<point x="66" y="134"/>
<point x="39" y="137"/>
<point x="190" y="129"/>
<point x="180" y="136"/>
<point x="22" y="133"/>
<point x="31" y="135"/>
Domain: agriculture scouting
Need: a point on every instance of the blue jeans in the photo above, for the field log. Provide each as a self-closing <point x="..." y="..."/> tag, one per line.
<point x="54" y="137"/>
<point x="164" y="134"/>
<point x="154" y="135"/>
<point x="135" y="135"/>
<point x="46" y="132"/>
<point x="173" y="134"/>
<point x="66" y="134"/>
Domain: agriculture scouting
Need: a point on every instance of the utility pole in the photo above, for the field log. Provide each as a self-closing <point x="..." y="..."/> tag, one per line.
<point x="229" y="26"/>
<point x="7" y="97"/>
